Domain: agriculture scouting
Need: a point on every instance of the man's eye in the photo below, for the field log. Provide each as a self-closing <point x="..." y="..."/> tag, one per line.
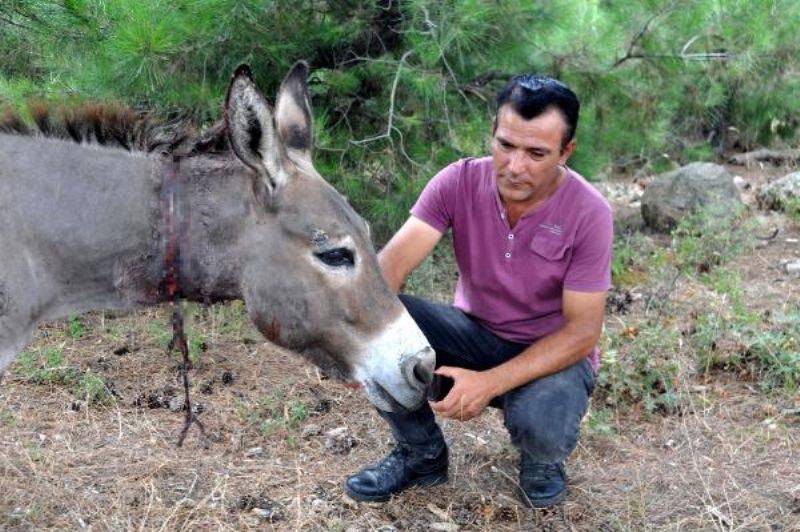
<point x="337" y="257"/>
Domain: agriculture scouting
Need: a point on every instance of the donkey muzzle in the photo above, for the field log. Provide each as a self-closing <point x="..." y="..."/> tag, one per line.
<point x="418" y="368"/>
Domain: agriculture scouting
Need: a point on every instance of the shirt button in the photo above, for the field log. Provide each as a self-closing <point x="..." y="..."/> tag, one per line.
<point x="503" y="215"/>
<point x="511" y="236"/>
<point x="508" y="255"/>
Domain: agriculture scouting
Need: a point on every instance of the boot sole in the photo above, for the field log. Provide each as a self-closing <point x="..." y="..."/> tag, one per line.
<point x="544" y="503"/>
<point x="427" y="481"/>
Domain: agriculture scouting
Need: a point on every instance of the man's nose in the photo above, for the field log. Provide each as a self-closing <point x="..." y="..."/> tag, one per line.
<point x="516" y="164"/>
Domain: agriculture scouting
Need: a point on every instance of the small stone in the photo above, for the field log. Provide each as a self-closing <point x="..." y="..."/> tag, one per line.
<point x="268" y="514"/>
<point x="311" y="430"/>
<point x="255" y="451"/>
<point x="350" y="503"/>
<point x="339" y="440"/>
<point x="740" y="183"/>
<point x="155" y="401"/>
<point x="318" y="505"/>
<point x="176" y="404"/>
<point x="227" y="378"/>
<point x="793" y="268"/>
<point x="445" y="527"/>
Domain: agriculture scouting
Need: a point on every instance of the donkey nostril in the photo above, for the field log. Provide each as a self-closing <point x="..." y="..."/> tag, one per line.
<point x="423" y="367"/>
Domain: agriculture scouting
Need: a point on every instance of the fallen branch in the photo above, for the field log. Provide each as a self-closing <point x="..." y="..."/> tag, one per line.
<point x="766" y="156"/>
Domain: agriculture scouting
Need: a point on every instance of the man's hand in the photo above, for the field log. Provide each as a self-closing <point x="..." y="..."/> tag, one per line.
<point x="470" y="394"/>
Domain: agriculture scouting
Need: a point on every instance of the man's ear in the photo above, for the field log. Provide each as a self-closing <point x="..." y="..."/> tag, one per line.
<point x="251" y="130"/>
<point x="293" y="114"/>
<point x="566" y="151"/>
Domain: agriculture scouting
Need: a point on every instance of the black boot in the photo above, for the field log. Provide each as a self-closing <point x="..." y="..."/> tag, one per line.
<point x="406" y="466"/>
<point x="543" y="485"/>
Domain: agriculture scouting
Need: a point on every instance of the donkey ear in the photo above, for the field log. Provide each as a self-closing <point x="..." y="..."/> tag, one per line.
<point x="251" y="131"/>
<point x="293" y="113"/>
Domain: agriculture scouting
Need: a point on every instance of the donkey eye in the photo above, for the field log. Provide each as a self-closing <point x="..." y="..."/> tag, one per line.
<point x="337" y="257"/>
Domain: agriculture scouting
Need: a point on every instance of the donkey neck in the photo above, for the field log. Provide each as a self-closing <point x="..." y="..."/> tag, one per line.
<point x="210" y="212"/>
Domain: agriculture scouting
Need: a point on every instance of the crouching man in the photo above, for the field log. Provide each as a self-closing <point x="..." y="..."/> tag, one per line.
<point x="532" y="240"/>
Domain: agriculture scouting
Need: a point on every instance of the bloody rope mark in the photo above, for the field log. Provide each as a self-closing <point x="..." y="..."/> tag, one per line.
<point x="179" y="340"/>
<point x="171" y="260"/>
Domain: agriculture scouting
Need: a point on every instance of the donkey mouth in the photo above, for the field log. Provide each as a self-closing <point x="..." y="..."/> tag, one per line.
<point x="382" y="399"/>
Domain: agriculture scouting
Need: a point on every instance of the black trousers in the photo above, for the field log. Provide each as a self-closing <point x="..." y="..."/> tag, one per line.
<point x="543" y="416"/>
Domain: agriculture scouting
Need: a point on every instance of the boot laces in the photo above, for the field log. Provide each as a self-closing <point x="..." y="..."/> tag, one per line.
<point x="395" y="458"/>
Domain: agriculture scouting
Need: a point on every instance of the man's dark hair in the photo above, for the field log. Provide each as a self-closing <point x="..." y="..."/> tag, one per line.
<point x="531" y="95"/>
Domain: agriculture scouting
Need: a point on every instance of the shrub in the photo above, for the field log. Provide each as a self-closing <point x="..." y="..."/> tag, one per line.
<point x="642" y="365"/>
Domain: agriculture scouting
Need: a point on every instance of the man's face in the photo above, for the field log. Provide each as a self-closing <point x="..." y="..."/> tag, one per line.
<point x="527" y="154"/>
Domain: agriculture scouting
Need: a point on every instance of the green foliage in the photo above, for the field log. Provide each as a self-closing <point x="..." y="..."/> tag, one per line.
<point x="764" y="348"/>
<point x="599" y="422"/>
<point x="93" y="390"/>
<point x="791" y="206"/>
<point x="47" y="367"/>
<point x="8" y="418"/>
<point x="274" y="412"/>
<point x="708" y="239"/>
<point x="50" y="368"/>
<point x="660" y="82"/>
<point x="635" y="258"/>
<point x="230" y="319"/>
<point x="161" y="333"/>
<point x="648" y="371"/>
<point x="76" y="328"/>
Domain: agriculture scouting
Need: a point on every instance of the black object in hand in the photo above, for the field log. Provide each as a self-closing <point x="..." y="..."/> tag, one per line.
<point x="439" y="388"/>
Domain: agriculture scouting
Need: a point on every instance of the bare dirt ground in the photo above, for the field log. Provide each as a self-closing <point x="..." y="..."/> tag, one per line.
<point x="283" y="439"/>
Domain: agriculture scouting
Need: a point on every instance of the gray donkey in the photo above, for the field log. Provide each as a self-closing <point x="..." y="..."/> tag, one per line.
<point x="90" y="226"/>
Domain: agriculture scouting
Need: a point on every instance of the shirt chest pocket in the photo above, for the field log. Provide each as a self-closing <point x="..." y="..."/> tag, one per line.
<point x="550" y="248"/>
<point x="549" y="256"/>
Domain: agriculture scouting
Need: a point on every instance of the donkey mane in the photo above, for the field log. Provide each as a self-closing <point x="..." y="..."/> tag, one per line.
<point x="115" y="125"/>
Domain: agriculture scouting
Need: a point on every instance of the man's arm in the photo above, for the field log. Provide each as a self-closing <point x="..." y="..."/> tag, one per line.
<point x="472" y="391"/>
<point x="406" y="250"/>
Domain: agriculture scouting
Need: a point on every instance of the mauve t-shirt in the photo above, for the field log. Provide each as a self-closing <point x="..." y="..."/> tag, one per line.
<point x="511" y="280"/>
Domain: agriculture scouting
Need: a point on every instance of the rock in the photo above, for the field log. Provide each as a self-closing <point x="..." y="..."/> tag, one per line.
<point x="339" y="440"/>
<point x="740" y="183"/>
<point x="793" y="268"/>
<point x="627" y="220"/>
<point x="268" y="514"/>
<point x="255" y="451"/>
<point x="445" y="527"/>
<point x="777" y="194"/>
<point x="262" y="506"/>
<point x="176" y="404"/>
<point x="310" y="430"/>
<point x="671" y="196"/>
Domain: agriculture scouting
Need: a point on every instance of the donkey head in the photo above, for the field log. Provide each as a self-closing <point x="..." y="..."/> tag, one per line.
<point x="310" y="277"/>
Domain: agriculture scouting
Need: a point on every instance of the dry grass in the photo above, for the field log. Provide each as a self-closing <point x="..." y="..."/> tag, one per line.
<point x="729" y="462"/>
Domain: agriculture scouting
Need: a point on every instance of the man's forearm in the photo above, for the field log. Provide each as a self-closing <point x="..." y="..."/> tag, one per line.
<point x="389" y="270"/>
<point x="548" y="355"/>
